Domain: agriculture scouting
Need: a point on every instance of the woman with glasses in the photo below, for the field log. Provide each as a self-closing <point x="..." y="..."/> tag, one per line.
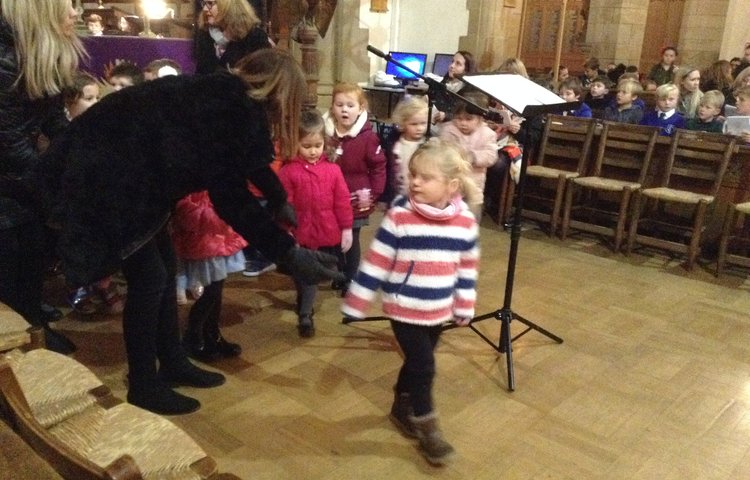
<point x="227" y="30"/>
<point x="175" y="136"/>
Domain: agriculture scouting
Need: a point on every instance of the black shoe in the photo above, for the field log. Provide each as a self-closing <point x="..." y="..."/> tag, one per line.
<point x="159" y="398"/>
<point x="201" y="353"/>
<point x="188" y="375"/>
<point x="227" y="349"/>
<point x="305" y="326"/>
<point x="345" y="288"/>
<point x="50" y="313"/>
<point x="57" y="342"/>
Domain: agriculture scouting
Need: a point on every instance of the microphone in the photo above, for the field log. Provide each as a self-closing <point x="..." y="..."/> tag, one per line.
<point x="377" y="52"/>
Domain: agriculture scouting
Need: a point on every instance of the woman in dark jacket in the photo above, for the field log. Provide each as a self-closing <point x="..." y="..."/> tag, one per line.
<point x="227" y="31"/>
<point x="39" y="54"/>
<point x="125" y="163"/>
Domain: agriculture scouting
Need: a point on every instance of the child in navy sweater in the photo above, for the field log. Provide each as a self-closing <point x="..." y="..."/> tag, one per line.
<point x="665" y="116"/>
<point x="570" y="91"/>
<point x="425" y="258"/>
<point x="625" y="111"/>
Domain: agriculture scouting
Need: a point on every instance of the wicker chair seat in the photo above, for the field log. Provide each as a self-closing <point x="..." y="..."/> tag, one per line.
<point x="548" y="172"/>
<point x="53" y="397"/>
<point x="679" y="196"/>
<point x="160" y="449"/>
<point x="607" y="184"/>
<point x="13" y="329"/>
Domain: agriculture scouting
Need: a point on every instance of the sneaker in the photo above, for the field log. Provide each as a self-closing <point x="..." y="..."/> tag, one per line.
<point x="82" y="301"/>
<point x="196" y="292"/>
<point x="254" y="268"/>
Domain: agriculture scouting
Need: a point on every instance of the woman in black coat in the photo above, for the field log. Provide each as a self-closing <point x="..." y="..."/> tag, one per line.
<point x="125" y="163"/>
<point x="39" y="55"/>
<point x="227" y="30"/>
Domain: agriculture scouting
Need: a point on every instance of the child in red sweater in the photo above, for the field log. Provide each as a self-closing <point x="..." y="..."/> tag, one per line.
<point x="317" y="190"/>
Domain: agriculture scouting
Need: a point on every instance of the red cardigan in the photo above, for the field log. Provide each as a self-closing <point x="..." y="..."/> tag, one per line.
<point x="198" y="233"/>
<point x="320" y="199"/>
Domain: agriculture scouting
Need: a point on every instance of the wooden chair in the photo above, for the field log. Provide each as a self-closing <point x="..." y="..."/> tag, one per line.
<point x="15" y="332"/>
<point x="736" y="232"/>
<point x="562" y="154"/>
<point x="62" y="410"/>
<point x="620" y="168"/>
<point x="673" y="213"/>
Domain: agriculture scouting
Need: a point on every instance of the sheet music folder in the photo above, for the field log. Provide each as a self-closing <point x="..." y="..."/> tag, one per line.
<point x="519" y="94"/>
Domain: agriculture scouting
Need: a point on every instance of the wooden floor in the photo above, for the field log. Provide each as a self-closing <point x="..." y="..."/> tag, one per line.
<point x="651" y="382"/>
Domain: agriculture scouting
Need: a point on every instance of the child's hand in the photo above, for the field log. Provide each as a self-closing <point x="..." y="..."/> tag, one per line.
<point x="461" y="322"/>
<point x="438" y="117"/>
<point x="346" y="240"/>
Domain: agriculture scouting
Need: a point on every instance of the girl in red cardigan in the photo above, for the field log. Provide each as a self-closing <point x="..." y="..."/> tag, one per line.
<point x="209" y="250"/>
<point x="317" y="190"/>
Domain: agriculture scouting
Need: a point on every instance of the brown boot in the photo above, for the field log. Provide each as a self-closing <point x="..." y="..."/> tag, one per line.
<point x="401" y="412"/>
<point x="434" y="447"/>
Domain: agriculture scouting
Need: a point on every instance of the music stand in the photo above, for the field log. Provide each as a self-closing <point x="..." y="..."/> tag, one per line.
<point x="530" y="100"/>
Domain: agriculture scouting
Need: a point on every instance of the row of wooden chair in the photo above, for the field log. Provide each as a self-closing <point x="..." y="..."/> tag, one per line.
<point x="624" y="191"/>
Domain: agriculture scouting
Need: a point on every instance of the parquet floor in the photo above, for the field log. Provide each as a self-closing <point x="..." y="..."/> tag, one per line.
<point x="652" y="381"/>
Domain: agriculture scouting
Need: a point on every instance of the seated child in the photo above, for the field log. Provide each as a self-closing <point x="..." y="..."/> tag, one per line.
<point x="665" y="116"/>
<point x="625" y="111"/>
<point x="570" y="91"/>
<point x="124" y="74"/>
<point x="94" y="25"/>
<point x="708" y="117"/>
<point x="81" y="95"/>
<point x="742" y="96"/>
<point x="598" y="97"/>
<point x="480" y="142"/>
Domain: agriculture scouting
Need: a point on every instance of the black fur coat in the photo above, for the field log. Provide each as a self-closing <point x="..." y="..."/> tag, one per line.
<point x="114" y="176"/>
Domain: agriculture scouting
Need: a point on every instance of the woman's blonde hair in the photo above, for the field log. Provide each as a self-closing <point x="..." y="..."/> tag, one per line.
<point x="273" y="76"/>
<point x="47" y="56"/>
<point x="739" y="80"/>
<point x="513" y="65"/>
<point x="234" y="17"/>
<point x="407" y="108"/>
<point x="452" y="161"/>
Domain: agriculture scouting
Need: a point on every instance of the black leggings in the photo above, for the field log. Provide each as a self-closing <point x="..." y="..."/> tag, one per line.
<point x="416" y="376"/>
<point x="150" y="324"/>
<point x="22" y="263"/>
<point x="351" y="258"/>
<point x="203" y="320"/>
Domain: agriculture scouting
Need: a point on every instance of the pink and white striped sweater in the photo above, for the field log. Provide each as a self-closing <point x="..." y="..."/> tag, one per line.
<point x="426" y="266"/>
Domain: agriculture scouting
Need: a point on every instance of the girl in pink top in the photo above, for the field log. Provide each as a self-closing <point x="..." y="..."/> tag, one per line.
<point x="316" y="189"/>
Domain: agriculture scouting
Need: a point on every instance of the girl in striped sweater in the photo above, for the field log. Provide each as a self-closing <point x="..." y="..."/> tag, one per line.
<point x="424" y="257"/>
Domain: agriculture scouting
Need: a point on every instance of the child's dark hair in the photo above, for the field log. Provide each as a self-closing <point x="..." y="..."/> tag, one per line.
<point x="604" y="80"/>
<point x="592" y="63"/>
<point x="74" y="92"/>
<point x="669" y="47"/>
<point x="127" y="69"/>
<point x="474" y="97"/>
<point x="573" y="84"/>
<point x="310" y="123"/>
<point x="470" y="65"/>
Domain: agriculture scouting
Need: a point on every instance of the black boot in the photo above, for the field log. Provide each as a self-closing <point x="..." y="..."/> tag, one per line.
<point x="401" y="412"/>
<point x="188" y="375"/>
<point x="157" y="397"/>
<point x="306" y="326"/>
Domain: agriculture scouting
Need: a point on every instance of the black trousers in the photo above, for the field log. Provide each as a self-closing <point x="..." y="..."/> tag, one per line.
<point x="351" y="258"/>
<point x="417" y="374"/>
<point x="22" y="264"/>
<point x="150" y="323"/>
<point x="203" y="320"/>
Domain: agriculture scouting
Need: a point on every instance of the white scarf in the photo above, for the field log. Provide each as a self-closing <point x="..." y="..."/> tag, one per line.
<point x="220" y="41"/>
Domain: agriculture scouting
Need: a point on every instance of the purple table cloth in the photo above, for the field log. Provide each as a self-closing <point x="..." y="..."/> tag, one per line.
<point x="139" y="50"/>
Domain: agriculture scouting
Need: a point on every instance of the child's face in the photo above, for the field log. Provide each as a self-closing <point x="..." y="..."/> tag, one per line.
<point x="427" y="184"/>
<point x="458" y="66"/>
<point x="311" y="147"/>
<point x="668" y="57"/>
<point x="667" y="103"/>
<point x="591" y="72"/>
<point x="89" y="96"/>
<point x="569" y="95"/>
<point x="467" y="123"/>
<point x="743" y="105"/>
<point x="692" y="81"/>
<point x="415" y="127"/>
<point x="119" y="82"/>
<point x="708" y="112"/>
<point x="346" y="109"/>
<point x="563" y="74"/>
<point x="598" y="90"/>
<point x="95" y="28"/>
<point x="625" y="99"/>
